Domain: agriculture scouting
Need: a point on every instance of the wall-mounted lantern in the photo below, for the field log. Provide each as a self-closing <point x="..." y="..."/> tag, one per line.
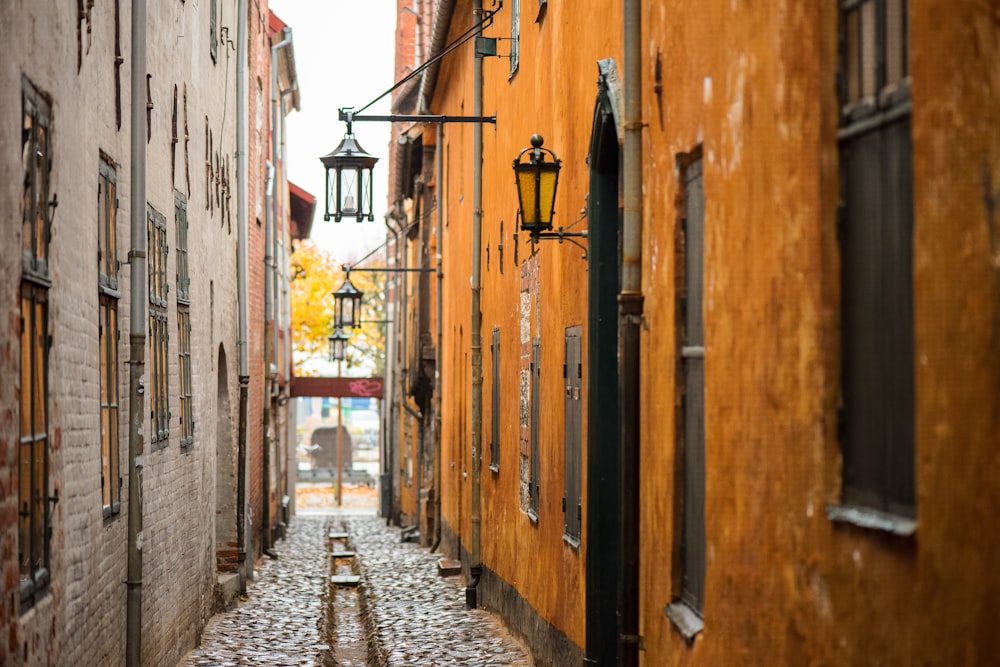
<point x="347" y="305"/>
<point x="338" y="344"/>
<point x="349" y="180"/>
<point x="537" y="179"/>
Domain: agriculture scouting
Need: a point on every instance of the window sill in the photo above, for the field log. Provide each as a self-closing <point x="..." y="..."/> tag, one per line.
<point x="687" y="621"/>
<point x="865" y="517"/>
<point x="533" y="517"/>
<point x="572" y="542"/>
<point x="494" y="467"/>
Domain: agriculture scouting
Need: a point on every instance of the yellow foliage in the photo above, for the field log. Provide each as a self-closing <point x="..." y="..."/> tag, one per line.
<point x="315" y="275"/>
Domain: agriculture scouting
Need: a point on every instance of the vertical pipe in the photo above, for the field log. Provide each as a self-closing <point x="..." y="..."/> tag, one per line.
<point x="241" y="279"/>
<point x="404" y="322"/>
<point x="475" y="565"/>
<point x="438" y="310"/>
<point x="340" y="441"/>
<point x="270" y="295"/>
<point x="385" y="481"/>
<point x="630" y="303"/>
<point x="137" y="336"/>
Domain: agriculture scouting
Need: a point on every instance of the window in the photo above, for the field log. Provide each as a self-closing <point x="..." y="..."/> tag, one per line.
<point x="876" y="228"/>
<point x="183" y="322"/>
<point x="573" y="375"/>
<point x="515" y="35"/>
<point x="34" y="500"/>
<point x="107" y="257"/>
<point x="158" y="337"/>
<point x="686" y="610"/>
<point x="535" y="467"/>
<point x="495" y="406"/>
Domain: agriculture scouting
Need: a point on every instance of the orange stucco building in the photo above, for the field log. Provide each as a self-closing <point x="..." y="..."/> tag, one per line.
<point x="765" y="432"/>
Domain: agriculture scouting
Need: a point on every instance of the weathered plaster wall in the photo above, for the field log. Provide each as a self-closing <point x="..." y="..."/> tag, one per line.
<point x="755" y="87"/>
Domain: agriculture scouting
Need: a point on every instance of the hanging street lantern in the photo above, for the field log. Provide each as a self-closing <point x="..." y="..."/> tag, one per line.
<point x="338" y="344"/>
<point x="349" y="180"/>
<point x="536" y="180"/>
<point x="347" y="305"/>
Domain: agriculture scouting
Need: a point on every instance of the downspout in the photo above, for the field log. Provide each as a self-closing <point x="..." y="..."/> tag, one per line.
<point x="403" y="370"/>
<point x="137" y="336"/>
<point x="270" y="293"/>
<point x="241" y="279"/>
<point x="386" y="492"/>
<point x="630" y="304"/>
<point x="475" y="561"/>
<point x="438" y="310"/>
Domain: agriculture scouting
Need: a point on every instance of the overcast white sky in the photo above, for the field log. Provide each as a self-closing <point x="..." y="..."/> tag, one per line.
<point x="343" y="58"/>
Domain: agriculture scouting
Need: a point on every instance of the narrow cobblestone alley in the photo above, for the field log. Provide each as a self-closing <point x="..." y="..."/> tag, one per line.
<point x="401" y="614"/>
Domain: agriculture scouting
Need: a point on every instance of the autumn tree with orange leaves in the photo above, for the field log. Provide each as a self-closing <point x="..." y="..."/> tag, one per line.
<point x="316" y="273"/>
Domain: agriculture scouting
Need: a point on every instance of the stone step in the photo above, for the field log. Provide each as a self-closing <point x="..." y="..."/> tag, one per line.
<point x="344" y="554"/>
<point x="338" y="536"/>
<point x="449" y="568"/>
<point x="345" y="580"/>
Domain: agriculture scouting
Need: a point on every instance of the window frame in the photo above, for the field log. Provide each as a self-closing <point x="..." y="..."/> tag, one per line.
<point x="495" y="401"/>
<point x="534" y="465"/>
<point x="186" y="420"/>
<point x="108" y="337"/>
<point x="159" y="337"/>
<point x="515" y="37"/>
<point x="687" y="607"/>
<point x="572" y="502"/>
<point x="877" y="418"/>
<point x="34" y="501"/>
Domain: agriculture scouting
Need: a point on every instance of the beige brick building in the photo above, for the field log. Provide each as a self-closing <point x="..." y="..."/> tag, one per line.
<point x="66" y="304"/>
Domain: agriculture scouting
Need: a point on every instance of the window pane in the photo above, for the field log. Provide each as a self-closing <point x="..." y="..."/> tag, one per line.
<point x="24" y="507"/>
<point x="852" y="71"/>
<point x="869" y="55"/>
<point x="112" y="245"/>
<point x="41" y="192"/>
<point x="28" y="151"/>
<point x="39" y="368"/>
<point x="26" y="366"/>
<point x="895" y="41"/>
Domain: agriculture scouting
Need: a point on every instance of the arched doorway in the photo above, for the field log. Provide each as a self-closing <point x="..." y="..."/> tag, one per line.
<point x="604" y="422"/>
<point x="226" y="542"/>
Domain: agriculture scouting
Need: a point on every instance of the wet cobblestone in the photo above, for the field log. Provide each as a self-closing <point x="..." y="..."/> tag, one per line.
<point x="403" y="614"/>
<point x="418" y="617"/>
<point x="281" y="622"/>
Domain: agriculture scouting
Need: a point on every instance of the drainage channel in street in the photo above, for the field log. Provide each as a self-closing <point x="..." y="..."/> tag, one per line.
<point x="345" y="626"/>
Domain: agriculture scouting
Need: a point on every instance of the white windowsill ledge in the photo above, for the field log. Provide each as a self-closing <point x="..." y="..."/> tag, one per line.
<point x="685" y="619"/>
<point x="865" y="517"/>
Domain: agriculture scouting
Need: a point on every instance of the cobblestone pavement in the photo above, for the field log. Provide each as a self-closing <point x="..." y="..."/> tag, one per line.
<point x="281" y="622"/>
<point x="416" y="616"/>
<point x="403" y="615"/>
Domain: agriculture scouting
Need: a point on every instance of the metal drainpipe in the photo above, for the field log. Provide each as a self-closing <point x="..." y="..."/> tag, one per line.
<point x="390" y="367"/>
<point x="404" y="318"/>
<point x="137" y="337"/>
<point x="270" y="293"/>
<point x="630" y="304"/>
<point x="475" y="561"/>
<point x="438" y="310"/>
<point x="241" y="280"/>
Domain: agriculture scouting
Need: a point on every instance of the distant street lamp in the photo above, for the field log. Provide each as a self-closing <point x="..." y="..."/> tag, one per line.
<point x="347" y="305"/>
<point x="338" y="344"/>
<point x="338" y="347"/>
<point x="536" y="180"/>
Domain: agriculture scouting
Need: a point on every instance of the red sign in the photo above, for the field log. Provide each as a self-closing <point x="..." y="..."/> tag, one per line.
<point x="333" y="387"/>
